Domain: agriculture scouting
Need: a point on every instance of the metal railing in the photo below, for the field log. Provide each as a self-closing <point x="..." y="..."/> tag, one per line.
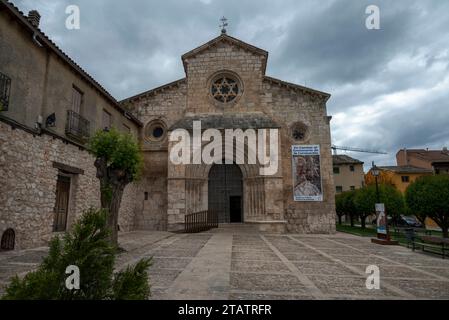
<point x="76" y="125"/>
<point x="200" y="221"/>
<point x="5" y="87"/>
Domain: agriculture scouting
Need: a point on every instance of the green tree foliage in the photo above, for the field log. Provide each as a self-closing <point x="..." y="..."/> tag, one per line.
<point x="118" y="162"/>
<point x="344" y="204"/>
<point x="366" y="198"/>
<point x="429" y="196"/>
<point x="86" y="246"/>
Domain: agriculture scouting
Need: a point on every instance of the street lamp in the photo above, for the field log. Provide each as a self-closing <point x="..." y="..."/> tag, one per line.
<point x="375" y="172"/>
<point x="383" y="236"/>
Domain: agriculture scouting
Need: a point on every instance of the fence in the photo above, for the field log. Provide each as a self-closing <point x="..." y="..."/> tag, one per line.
<point x="200" y="221"/>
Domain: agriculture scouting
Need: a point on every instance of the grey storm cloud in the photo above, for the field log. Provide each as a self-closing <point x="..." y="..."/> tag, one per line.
<point x="390" y="87"/>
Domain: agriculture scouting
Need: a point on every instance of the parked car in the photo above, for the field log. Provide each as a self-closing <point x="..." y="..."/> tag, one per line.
<point x="406" y="221"/>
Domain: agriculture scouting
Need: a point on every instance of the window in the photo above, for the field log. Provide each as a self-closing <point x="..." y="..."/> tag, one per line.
<point x="339" y="189"/>
<point x="77" y="100"/>
<point x="405" y="179"/>
<point x="336" y="170"/>
<point x="155" y="131"/>
<point x="5" y="87"/>
<point x="106" y="120"/>
<point x="352" y="188"/>
<point x="225" y="87"/>
<point x="351" y="168"/>
<point x="299" y="131"/>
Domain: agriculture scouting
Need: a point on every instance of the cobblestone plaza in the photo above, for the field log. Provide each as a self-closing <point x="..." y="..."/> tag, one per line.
<point x="238" y="262"/>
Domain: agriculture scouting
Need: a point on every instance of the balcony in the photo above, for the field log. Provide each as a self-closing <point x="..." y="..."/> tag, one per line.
<point x="77" y="127"/>
<point x="5" y="86"/>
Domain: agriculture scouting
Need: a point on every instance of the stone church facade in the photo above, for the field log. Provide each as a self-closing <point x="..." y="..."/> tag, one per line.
<point x="50" y="106"/>
<point x="259" y="102"/>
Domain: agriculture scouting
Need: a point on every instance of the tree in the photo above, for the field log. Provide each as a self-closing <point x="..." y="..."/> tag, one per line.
<point x="118" y="162"/>
<point x="344" y="204"/>
<point x="366" y="198"/>
<point x="339" y="206"/>
<point x="86" y="246"/>
<point x="429" y="196"/>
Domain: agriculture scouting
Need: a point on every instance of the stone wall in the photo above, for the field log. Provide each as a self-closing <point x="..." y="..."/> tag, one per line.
<point x="28" y="185"/>
<point x="165" y="105"/>
<point x="247" y="66"/>
<point x="290" y="105"/>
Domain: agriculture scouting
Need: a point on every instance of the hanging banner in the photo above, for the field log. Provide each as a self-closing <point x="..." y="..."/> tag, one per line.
<point x="306" y="173"/>
<point x="381" y="218"/>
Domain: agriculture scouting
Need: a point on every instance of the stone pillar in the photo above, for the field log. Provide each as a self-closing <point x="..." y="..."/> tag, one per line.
<point x="176" y="194"/>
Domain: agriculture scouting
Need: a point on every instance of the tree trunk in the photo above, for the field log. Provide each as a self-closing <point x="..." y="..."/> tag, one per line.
<point x="362" y="221"/>
<point x="112" y="184"/>
<point x="445" y="232"/>
<point x="339" y="219"/>
<point x="114" y="207"/>
<point x="351" y="217"/>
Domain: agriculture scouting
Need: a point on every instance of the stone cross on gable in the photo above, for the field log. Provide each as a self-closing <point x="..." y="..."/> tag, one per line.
<point x="224" y="24"/>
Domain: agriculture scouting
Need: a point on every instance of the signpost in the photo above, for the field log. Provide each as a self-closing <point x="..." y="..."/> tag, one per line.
<point x="381" y="216"/>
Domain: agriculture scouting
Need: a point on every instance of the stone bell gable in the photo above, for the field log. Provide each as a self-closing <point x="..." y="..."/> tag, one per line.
<point x="224" y="54"/>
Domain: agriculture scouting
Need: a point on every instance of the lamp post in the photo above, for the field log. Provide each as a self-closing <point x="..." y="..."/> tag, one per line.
<point x="375" y="172"/>
<point x="382" y="221"/>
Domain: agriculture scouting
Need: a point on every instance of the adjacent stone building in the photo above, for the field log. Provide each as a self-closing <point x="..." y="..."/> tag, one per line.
<point x="348" y="173"/>
<point x="435" y="160"/>
<point x="50" y="107"/>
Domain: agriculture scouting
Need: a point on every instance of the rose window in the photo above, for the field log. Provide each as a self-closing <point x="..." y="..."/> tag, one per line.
<point x="299" y="131"/>
<point x="225" y="89"/>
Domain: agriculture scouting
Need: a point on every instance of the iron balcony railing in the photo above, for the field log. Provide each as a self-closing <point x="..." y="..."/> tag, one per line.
<point x="77" y="126"/>
<point x="200" y="221"/>
<point x="5" y="87"/>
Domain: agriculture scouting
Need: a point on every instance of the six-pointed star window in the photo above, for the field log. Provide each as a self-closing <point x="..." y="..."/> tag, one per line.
<point x="225" y="89"/>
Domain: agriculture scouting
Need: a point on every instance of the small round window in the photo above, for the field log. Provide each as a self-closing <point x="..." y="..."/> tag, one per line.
<point x="158" y="132"/>
<point x="155" y="131"/>
<point x="299" y="131"/>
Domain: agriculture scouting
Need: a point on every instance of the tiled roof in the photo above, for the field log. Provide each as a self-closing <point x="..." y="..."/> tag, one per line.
<point x="256" y="120"/>
<point x="405" y="169"/>
<point x="344" y="159"/>
<point x="46" y="41"/>
<point x="154" y="91"/>
<point x="297" y="87"/>
<point x="430" y="155"/>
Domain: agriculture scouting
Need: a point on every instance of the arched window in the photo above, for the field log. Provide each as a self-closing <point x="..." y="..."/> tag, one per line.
<point x="8" y="240"/>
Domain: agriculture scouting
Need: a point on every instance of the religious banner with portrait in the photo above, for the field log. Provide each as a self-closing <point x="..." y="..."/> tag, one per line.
<point x="306" y="171"/>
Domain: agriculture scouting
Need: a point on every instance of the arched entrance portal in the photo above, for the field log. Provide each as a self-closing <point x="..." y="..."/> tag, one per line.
<point x="225" y="194"/>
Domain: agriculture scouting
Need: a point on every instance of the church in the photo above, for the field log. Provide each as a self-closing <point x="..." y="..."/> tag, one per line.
<point x="226" y="87"/>
<point x="50" y="107"/>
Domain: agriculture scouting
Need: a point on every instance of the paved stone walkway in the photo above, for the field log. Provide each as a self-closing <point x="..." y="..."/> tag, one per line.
<point x="236" y="262"/>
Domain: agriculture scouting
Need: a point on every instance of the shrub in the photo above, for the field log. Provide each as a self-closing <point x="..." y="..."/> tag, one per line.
<point x="87" y="247"/>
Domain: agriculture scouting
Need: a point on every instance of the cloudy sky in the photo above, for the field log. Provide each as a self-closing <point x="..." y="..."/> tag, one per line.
<point x="390" y="87"/>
